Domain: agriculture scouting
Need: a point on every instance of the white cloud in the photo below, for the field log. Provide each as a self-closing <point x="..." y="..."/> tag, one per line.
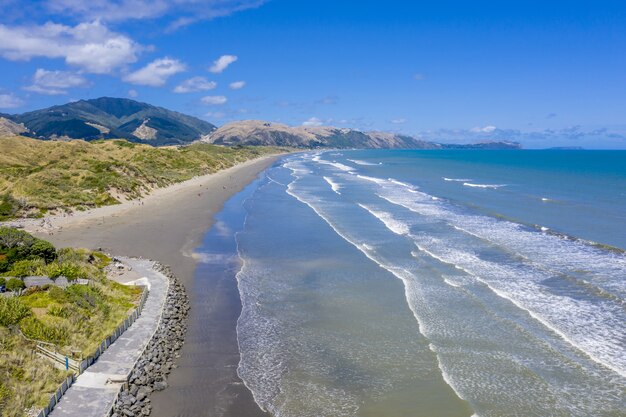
<point x="55" y="82"/>
<point x="216" y="115"/>
<point x="214" y="100"/>
<point x="399" y="121"/>
<point x="328" y="100"/>
<point x="237" y="85"/>
<point x="220" y="64"/>
<point x="486" y="129"/>
<point x="9" y="101"/>
<point x="156" y="73"/>
<point x="183" y="12"/>
<point x="90" y="46"/>
<point x="313" y="121"/>
<point x="133" y="93"/>
<point x="195" y="84"/>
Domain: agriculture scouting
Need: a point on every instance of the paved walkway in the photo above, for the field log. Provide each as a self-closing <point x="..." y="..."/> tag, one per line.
<point x="96" y="389"/>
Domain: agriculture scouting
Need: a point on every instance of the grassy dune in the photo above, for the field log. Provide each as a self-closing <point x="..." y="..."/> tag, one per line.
<point x="75" y="319"/>
<point x="39" y="176"/>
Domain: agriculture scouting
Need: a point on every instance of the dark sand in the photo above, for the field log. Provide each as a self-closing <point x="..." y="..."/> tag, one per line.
<point x="167" y="227"/>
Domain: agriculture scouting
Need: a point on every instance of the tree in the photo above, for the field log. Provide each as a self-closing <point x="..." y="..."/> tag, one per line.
<point x="43" y="249"/>
<point x="15" y="285"/>
<point x="11" y="238"/>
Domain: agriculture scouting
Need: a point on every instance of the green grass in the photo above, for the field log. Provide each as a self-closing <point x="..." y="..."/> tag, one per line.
<point x="75" y="319"/>
<point x="38" y="177"/>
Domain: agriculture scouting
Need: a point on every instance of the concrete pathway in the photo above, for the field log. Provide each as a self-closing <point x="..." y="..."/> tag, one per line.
<point x="96" y="389"/>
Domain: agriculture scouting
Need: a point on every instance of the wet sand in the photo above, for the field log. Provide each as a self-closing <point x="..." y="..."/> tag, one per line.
<point x="167" y="227"/>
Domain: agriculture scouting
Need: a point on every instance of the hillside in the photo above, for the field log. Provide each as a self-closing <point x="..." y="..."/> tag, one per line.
<point x="40" y="176"/>
<point x="255" y="132"/>
<point x="115" y="118"/>
<point x="71" y="319"/>
<point x="107" y="117"/>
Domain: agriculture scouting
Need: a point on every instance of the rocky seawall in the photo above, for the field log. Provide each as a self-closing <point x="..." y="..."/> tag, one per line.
<point x="158" y="359"/>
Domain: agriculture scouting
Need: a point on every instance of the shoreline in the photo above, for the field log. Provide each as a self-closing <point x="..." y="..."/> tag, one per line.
<point x="168" y="227"/>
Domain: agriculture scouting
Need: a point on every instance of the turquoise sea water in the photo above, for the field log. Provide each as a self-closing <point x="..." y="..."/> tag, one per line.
<point x="436" y="283"/>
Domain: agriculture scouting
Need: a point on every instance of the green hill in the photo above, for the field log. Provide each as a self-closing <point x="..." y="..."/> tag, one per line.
<point x="106" y="117"/>
<point x="40" y="176"/>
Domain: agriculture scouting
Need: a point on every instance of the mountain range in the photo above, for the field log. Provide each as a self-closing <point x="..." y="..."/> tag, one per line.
<point x="107" y="117"/>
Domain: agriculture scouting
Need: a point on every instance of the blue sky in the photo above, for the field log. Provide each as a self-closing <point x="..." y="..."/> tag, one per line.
<point x="550" y="73"/>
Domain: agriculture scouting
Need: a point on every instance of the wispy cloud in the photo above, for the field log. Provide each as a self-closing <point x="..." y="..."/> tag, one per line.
<point x="570" y="136"/>
<point x="223" y="62"/>
<point x="178" y="12"/>
<point x="484" y="129"/>
<point x="195" y="84"/>
<point x="328" y="100"/>
<point x="55" y="82"/>
<point x="89" y="46"/>
<point x="214" y="100"/>
<point x="9" y="101"/>
<point x="398" y="121"/>
<point x="312" y="122"/>
<point x="237" y="85"/>
<point x="133" y="93"/>
<point x="156" y="73"/>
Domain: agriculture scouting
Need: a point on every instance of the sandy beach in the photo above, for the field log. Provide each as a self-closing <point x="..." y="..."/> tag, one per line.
<point x="166" y="226"/>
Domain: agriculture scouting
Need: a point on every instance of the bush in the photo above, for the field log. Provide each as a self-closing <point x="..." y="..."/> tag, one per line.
<point x="85" y="296"/>
<point x="12" y="310"/>
<point x="11" y="238"/>
<point x="27" y="267"/>
<point x="5" y="392"/>
<point x="3" y="281"/>
<point x="38" y="330"/>
<point x="9" y="206"/>
<point x="15" y="284"/>
<point x="44" y="250"/>
<point x="69" y="270"/>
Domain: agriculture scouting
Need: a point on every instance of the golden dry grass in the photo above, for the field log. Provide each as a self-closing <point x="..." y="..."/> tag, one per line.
<point x="44" y="175"/>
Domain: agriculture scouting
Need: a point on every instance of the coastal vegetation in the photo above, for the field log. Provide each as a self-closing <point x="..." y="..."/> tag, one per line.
<point x="38" y="177"/>
<point x="70" y="318"/>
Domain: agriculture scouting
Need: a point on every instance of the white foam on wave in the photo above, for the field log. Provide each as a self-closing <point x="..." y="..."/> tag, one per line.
<point x="493" y="186"/>
<point x="598" y="338"/>
<point x="457" y="179"/>
<point x="408" y="186"/>
<point x="335" y="187"/>
<point x="591" y="329"/>
<point x="334" y="164"/>
<point x="371" y="179"/>
<point x="396" y="226"/>
<point x="402" y="274"/>
<point x="364" y="163"/>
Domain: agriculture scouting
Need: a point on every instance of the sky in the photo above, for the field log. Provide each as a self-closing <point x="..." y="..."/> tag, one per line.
<point x="549" y="73"/>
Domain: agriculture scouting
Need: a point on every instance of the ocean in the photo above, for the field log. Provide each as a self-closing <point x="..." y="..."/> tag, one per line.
<point x="434" y="283"/>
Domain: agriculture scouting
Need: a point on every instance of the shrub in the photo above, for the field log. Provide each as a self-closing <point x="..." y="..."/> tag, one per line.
<point x="8" y="206"/>
<point x="43" y="249"/>
<point x="11" y="238"/>
<point x="38" y="330"/>
<point x="3" y="281"/>
<point x="27" y="267"/>
<point x="15" y="284"/>
<point x="5" y="393"/>
<point x="69" y="270"/>
<point x="12" y="310"/>
<point x="85" y="296"/>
